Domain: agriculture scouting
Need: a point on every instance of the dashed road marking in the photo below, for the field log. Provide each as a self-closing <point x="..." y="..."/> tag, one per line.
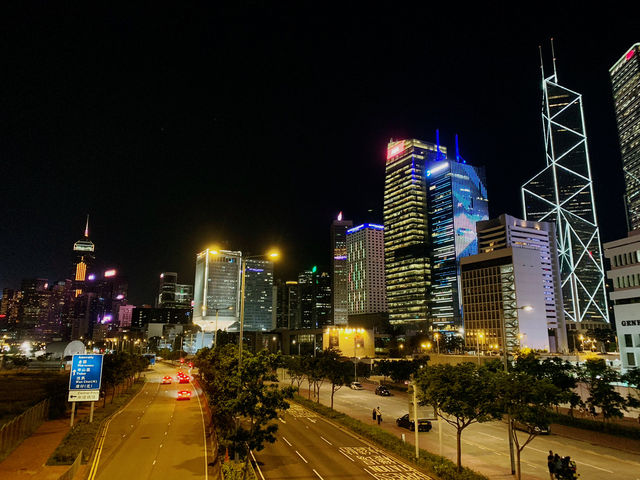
<point x="304" y="459"/>
<point x="319" y="476"/>
<point x="326" y="440"/>
<point x="593" y="466"/>
<point x="287" y="441"/>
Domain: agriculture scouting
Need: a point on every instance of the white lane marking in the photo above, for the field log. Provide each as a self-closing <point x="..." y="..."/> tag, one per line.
<point x="370" y="473"/>
<point x="347" y="456"/>
<point x="492" y="436"/>
<point x="286" y="441"/>
<point x="305" y="460"/>
<point x="204" y="436"/>
<point x="160" y="445"/>
<point x="319" y="476"/>
<point x="311" y="420"/>
<point x="593" y="466"/>
<point x="154" y="462"/>
<point x="536" y="449"/>
<point x="283" y="421"/>
<point x="257" y="466"/>
<point x="326" y="440"/>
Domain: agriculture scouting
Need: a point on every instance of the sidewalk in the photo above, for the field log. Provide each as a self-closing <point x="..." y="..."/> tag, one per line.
<point x="27" y="462"/>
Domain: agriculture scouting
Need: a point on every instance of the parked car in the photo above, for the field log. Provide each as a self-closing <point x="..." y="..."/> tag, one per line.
<point x="423" y="424"/>
<point x="356" y="386"/>
<point x="383" y="391"/>
<point x="166" y="380"/>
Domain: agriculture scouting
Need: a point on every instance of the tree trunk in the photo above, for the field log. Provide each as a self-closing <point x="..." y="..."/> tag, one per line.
<point x="332" y="392"/>
<point x="518" y="472"/>
<point x="459" y="449"/>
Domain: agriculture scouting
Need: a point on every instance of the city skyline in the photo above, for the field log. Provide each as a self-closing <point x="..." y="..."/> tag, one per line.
<point x="104" y="152"/>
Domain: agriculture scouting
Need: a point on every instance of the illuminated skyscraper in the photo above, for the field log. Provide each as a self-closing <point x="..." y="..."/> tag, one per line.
<point x="83" y="249"/>
<point x="406" y="239"/>
<point x="258" y="296"/>
<point x="339" y="288"/>
<point x="625" y="79"/>
<point x="457" y="199"/>
<point x="365" y="252"/>
<point x="216" y="288"/>
<point x="563" y="193"/>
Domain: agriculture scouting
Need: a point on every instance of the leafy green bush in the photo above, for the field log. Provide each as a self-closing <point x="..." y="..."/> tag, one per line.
<point x="233" y="471"/>
<point x="444" y="468"/>
<point x="626" y="431"/>
<point x="83" y="435"/>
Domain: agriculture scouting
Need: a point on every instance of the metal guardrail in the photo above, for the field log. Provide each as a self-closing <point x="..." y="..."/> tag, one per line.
<point x="14" y="432"/>
<point x="73" y="469"/>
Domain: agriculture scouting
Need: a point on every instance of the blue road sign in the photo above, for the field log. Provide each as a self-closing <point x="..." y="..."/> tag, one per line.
<point x="86" y="376"/>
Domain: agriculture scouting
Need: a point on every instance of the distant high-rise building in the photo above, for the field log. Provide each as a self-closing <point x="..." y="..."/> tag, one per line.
<point x="625" y="79"/>
<point x="457" y="199"/>
<point x="258" y="295"/>
<point x="287" y="304"/>
<point x="171" y="294"/>
<point x="217" y="289"/>
<point x="34" y="305"/>
<point x="339" y="292"/>
<point x="563" y="193"/>
<point x="406" y="239"/>
<point x="322" y="305"/>
<point x="365" y="263"/>
<point x="510" y="232"/>
<point x="84" y="250"/>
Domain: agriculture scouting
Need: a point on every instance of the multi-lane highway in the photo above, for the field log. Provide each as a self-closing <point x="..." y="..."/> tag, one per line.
<point x="155" y="436"/>
<point x="309" y="447"/>
<point x="485" y="446"/>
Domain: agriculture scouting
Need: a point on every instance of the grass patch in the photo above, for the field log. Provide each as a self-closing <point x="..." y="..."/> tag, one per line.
<point x="439" y="466"/>
<point x="83" y="435"/>
<point x="612" y="428"/>
<point x="233" y="471"/>
<point x="21" y="390"/>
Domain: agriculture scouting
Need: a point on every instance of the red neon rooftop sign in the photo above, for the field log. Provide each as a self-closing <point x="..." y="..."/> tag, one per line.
<point x="395" y="150"/>
<point x="630" y="54"/>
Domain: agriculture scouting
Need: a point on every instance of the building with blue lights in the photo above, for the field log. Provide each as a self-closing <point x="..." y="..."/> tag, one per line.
<point x="365" y="265"/>
<point x="457" y="199"/>
<point x="339" y="305"/>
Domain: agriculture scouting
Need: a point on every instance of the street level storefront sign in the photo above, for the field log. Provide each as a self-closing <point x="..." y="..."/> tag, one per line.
<point x="85" y="378"/>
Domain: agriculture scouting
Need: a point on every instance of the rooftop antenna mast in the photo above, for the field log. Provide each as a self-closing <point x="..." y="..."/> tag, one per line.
<point x="86" y="228"/>
<point x="541" y="62"/>
<point x="553" y="55"/>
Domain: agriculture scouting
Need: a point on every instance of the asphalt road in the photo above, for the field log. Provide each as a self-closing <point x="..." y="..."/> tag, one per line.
<point x="155" y="436"/>
<point x="311" y="448"/>
<point x="485" y="446"/>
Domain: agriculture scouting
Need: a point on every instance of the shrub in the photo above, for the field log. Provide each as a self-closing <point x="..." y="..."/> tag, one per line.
<point x="626" y="431"/>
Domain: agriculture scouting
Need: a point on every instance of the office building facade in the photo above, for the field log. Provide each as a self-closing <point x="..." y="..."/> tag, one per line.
<point x="365" y="266"/>
<point x="510" y="232"/>
<point x="339" y="288"/>
<point x="84" y="252"/>
<point x="171" y="294"/>
<point x="217" y="289"/>
<point x="503" y="296"/>
<point x="457" y="199"/>
<point x="625" y="81"/>
<point x="258" y="298"/>
<point x="406" y="240"/>
<point x="624" y="258"/>
<point x="563" y="193"/>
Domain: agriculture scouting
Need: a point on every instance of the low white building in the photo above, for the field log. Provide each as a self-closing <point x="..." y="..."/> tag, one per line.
<point x="624" y="258"/>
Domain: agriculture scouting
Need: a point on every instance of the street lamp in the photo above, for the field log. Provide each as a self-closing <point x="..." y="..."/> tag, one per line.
<point x="436" y="337"/>
<point x="479" y="335"/>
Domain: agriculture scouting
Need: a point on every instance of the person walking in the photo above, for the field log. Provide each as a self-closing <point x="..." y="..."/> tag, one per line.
<point x="379" y="415"/>
<point x="374" y="414"/>
<point x="557" y="465"/>
<point x="551" y="464"/>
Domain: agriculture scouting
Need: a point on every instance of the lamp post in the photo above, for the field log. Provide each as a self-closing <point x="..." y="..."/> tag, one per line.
<point x="436" y="336"/>
<point x="478" y="337"/>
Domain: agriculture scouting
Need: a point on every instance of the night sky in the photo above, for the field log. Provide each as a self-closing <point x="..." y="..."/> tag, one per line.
<point x="179" y="126"/>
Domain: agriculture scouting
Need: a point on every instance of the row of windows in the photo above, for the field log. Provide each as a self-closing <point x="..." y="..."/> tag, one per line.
<point x="626" y="281"/>
<point x="627" y="258"/>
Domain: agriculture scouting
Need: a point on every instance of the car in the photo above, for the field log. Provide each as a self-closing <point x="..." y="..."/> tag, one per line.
<point x="356" y="386"/>
<point x="184" y="395"/>
<point x="183" y="379"/>
<point x="166" y="380"/>
<point x="383" y="391"/>
<point x="423" y="424"/>
<point x="539" y="431"/>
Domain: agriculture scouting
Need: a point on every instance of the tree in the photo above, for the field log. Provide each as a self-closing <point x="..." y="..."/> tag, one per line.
<point x="336" y="371"/>
<point x="526" y="399"/>
<point x="632" y="377"/>
<point x="603" y="397"/>
<point x="462" y="394"/>
<point x="296" y="370"/>
<point x="451" y="343"/>
<point x="402" y="370"/>
<point x="244" y="398"/>
<point x="603" y="336"/>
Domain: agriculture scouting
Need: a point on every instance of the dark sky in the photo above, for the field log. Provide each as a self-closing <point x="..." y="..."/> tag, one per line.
<point x="181" y="126"/>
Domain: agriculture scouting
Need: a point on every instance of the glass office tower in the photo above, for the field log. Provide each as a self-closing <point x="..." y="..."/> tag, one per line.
<point x="339" y="274"/>
<point x="563" y="193"/>
<point x="625" y="80"/>
<point x="457" y="199"/>
<point x="406" y="240"/>
<point x="258" y="295"/>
